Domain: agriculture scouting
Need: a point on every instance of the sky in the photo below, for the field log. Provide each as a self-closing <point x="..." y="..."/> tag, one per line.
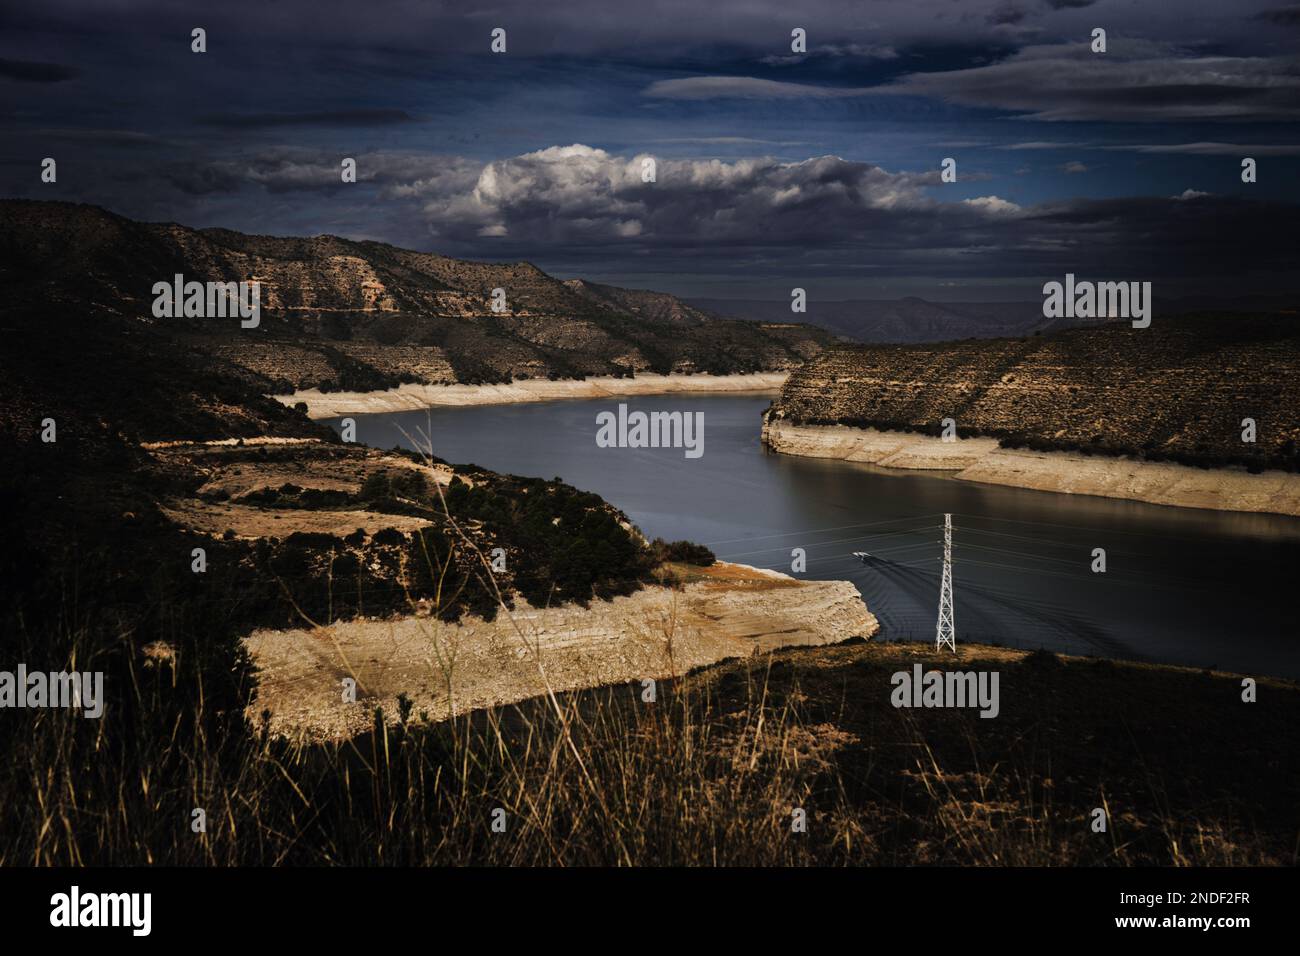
<point x="773" y="169"/>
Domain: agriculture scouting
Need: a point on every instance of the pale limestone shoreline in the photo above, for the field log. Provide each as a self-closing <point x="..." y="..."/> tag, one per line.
<point x="409" y="397"/>
<point x="732" y="611"/>
<point x="980" y="459"/>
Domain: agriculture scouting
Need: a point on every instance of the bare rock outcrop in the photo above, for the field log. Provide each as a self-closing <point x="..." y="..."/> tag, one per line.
<point x="726" y="611"/>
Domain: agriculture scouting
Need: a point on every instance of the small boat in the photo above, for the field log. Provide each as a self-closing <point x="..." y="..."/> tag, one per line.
<point x="864" y="556"/>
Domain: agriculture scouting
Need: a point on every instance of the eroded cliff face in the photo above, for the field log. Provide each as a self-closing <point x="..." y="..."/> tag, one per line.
<point x="1178" y="391"/>
<point x="339" y="315"/>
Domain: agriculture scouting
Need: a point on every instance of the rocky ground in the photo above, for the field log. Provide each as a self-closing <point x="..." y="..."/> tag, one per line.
<point x="711" y="614"/>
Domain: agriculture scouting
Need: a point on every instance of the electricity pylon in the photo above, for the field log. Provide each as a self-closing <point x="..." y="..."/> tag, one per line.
<point x="946" y="632"/>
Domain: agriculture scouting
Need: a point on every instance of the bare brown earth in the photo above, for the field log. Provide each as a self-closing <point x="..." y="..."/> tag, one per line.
<point x="410" y="397"/>
<point x="981" y="459"/>
<point x="717" y="613"/>
<point x="215" y="507"/>
<point x="250" y="522"/>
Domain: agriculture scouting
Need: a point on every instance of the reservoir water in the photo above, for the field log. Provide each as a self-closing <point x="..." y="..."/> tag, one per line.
<point x="1183" y="586"/>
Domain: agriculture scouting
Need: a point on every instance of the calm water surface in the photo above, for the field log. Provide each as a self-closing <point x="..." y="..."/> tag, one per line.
<point x="1182" y="586"/>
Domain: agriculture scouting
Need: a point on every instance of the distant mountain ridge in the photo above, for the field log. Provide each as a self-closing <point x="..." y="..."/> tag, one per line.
<point x="912" y="320"/>
<point x="342" y="314"/>
<point x="902" y="321"/>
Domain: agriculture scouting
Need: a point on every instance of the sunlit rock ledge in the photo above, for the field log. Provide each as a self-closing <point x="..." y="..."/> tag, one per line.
<point x="412" y="397"/>
<point x="719" y="613"/>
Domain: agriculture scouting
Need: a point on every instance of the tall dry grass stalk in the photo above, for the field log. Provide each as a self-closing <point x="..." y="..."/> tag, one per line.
<point x="708" y="774"/>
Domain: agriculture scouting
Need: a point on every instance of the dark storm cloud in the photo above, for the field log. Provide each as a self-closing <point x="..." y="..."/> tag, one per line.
<point x="746" y="87"/>
<point x="650" y="29"/>
<point x="832" y="52"/>
<point x="1134" y="81"/>
<point x="106" y="137"/>
<point x="285" y="169"/>
<point x="1286" y="16"/>
<point x="355" y="117"/>
<point x="585" y="209"/>
<point x="584" y="203"/>
<point x="1174" y="236"/>
<point x="1211" y="149"/>
<point x="202" y="179"/>
<point x="250" y="135"/>
<point x="33" y="72"/>
<point x="1007" y="14"/>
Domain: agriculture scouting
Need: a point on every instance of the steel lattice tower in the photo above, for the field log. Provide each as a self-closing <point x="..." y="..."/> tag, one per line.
<point x="946" y="632"/>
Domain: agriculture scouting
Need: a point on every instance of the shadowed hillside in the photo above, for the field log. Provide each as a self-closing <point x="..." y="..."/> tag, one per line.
<point x="707" y="775"/>
<point x="1177" y="391"/>
<point x="131" y="443"/>
<point x="344" y="315"/>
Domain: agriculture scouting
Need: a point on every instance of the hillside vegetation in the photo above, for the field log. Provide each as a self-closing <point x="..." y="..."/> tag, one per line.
<point x="357" y="316"/>
<point x="162" y="447"/>
<point x="1177" y="391"/>
<point x="709" y="774"/>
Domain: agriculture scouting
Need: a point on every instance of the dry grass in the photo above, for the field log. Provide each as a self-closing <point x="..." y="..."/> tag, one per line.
<point x="708" y="773"/>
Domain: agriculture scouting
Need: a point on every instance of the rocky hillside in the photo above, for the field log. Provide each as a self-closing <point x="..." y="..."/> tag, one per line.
<point x="1177" y="391"/>
<point x="131" y="441"/>
<point x="339" y="314"/>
